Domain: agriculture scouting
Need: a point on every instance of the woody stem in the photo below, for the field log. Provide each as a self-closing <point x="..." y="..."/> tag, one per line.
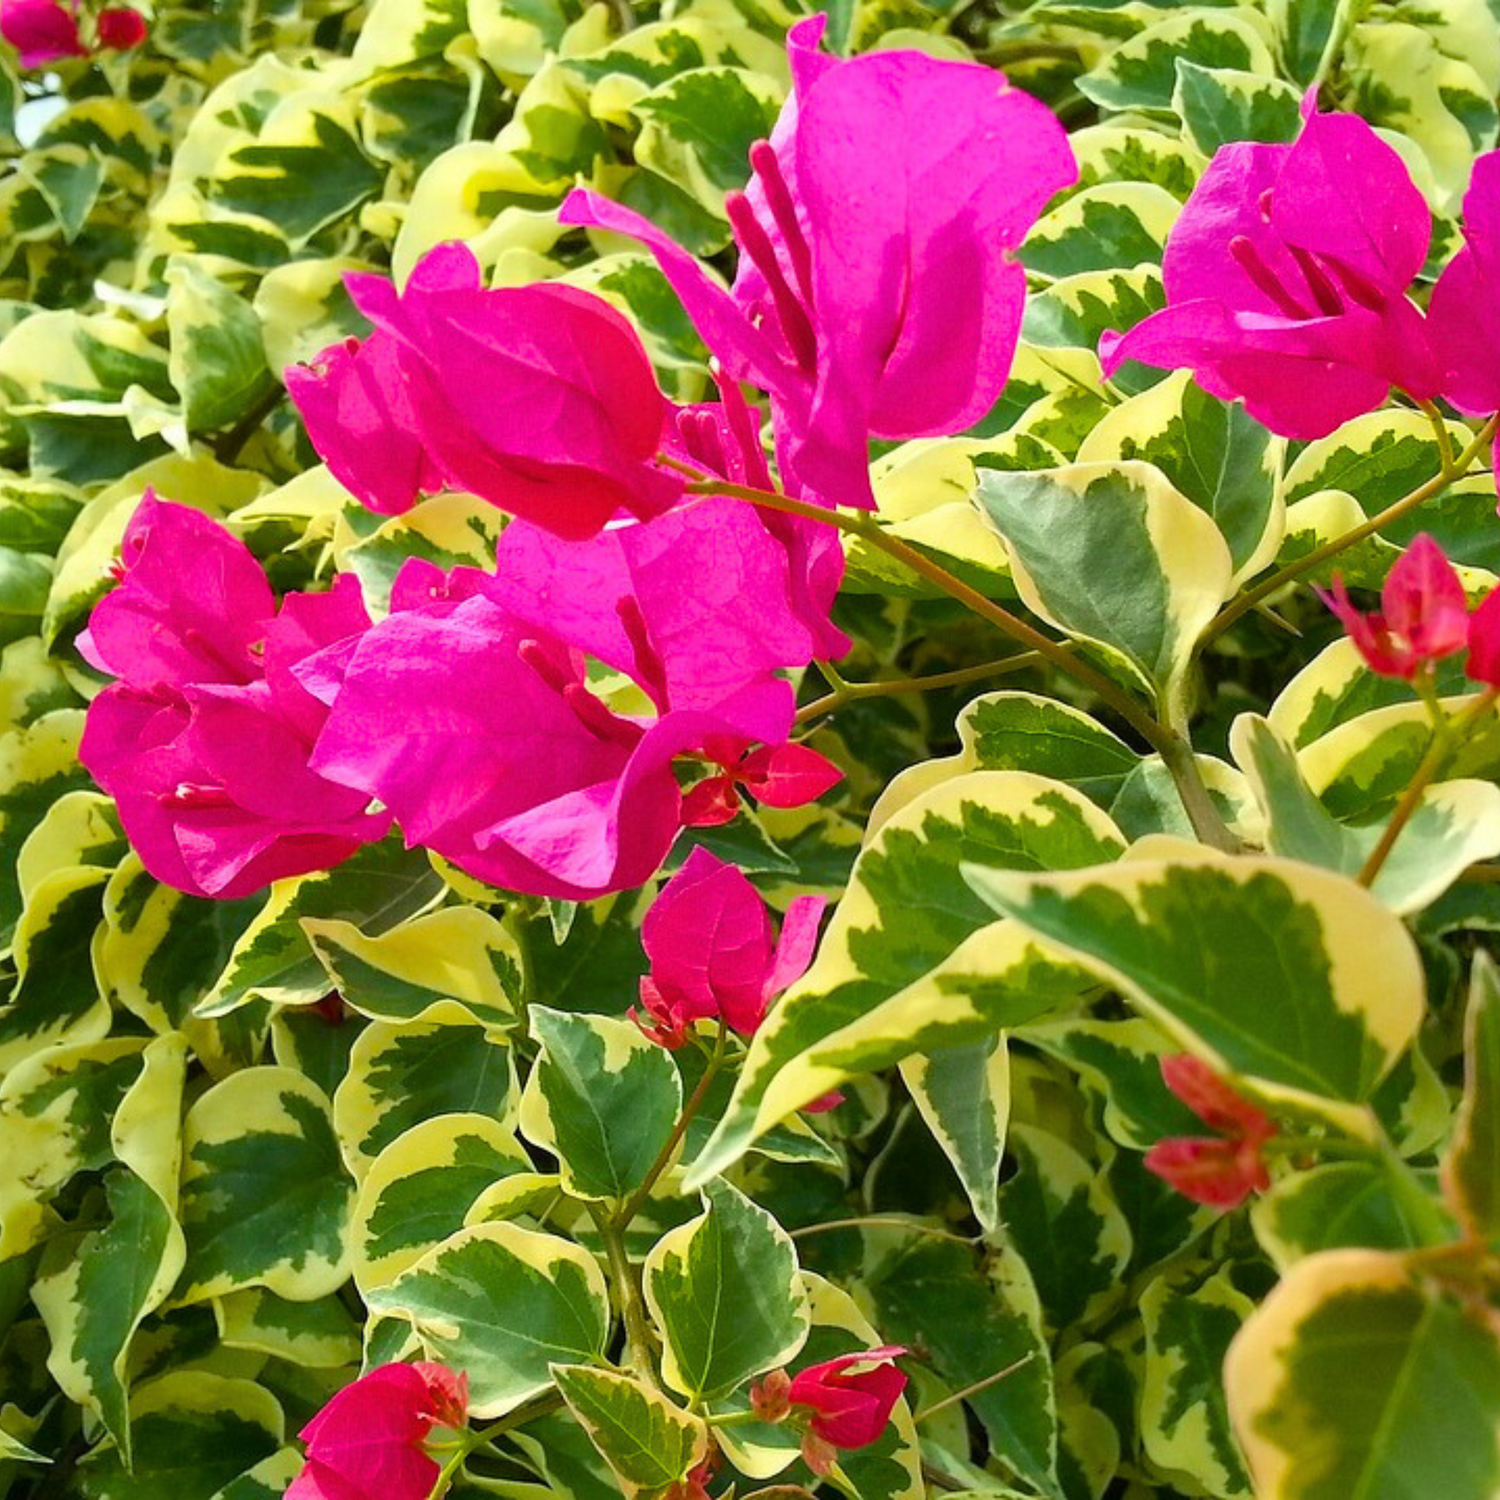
<point x="627" y="1296"/>
<point x="1176" y="754"/>
<point x="689" y="1112"/>
<point x="865" y="528"/>
<point x="1278" y="580"/>
<point x="1431" y="764"/>
<point x="853" y="692"/>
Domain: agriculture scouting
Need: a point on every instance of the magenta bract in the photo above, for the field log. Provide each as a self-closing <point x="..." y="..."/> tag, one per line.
<point x="851" y="1397"/>
<point x="714" y="952"/>
<point x="1286" y="279"/>
<point x="120" y="28"/>
<point x="1465" y="308"/>
<point x="204" y="740"/>
<point x="538" y="399"/>
<point x="41" y="31"/>
<point x="366" y="1443"/>
<point x="1423" y="618"/>
<point x="1224" y="1169"/>
<point x="878" y="291"/>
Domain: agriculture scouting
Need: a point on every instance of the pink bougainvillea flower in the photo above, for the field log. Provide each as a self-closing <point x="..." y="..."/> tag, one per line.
<point x="204" y="740"/>
<point x="367" y="1442"/>
<point x="469" y="712"/>
<point x="1423" y="616"/>
<point x="692" y="605"/>
<point x="714" y="952"/>
<point x="192" y="606"/>
<point x="354" y="404"/>
<point x="878" y="291"/>
<point x="539" y="399"/>
<point x="1221" y="1170"/>
<point x="121" y="28"/>
<point x="723" y="439"/>
<point x="1464" y="312"/>
<point x="41" y="31"/>
<point x="1286" y="278"/>
<point x="851" y="1399"/>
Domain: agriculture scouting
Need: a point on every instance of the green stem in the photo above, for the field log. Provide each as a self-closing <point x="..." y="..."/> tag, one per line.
<point x="875" y="1221"/>
<point x="731" y="1419"/>
<point x="1252" y="598"/>
<point x="627" y="1297"/>
<point x="854" y="692"/>
<point x="1440" y="432"/>
<point x="1177" y="756"/>
<point x="633" y="1204"/>
<point x="864" y="527"/>
<point x="1443" y="738"/>
<point x="469" y="1441"/>
<point x="970" y="1390"/>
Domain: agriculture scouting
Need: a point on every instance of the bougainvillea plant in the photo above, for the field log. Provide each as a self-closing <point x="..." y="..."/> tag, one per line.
<point x="749" y="753"/>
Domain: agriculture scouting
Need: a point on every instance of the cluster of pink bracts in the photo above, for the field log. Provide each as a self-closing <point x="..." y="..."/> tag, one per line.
<point x="550" y="725"/>
<point x="47" y="31"/>
<point x="369" y="1442"/>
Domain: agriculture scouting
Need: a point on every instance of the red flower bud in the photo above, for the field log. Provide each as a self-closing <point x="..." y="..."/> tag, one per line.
<point x="120" y="28"/>
<point x="851" y="1398"/>
<point x="1221" y="1170"/>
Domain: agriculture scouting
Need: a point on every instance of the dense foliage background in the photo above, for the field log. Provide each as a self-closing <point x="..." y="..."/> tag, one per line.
<point x="229" y="1130"/>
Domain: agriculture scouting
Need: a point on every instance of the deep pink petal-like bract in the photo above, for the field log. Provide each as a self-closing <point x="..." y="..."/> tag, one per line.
<point x="1483" y="665"/>
<point x="1286" y="278"/>
<point x="354" y="403"/>
<point x="41" y="31"/>
<point x="192" y="605"/>
<point x="713" y="949"/>
<point x="878" y="291"/>
<point x="1464" y="310"/>
<point x="851" y="1397"/>
<point x="539" y="399"/>
<point x="366" y="1443"/>
<point x="205" y="739"/>
<point x="692" y="605"/>
<point x="119" y="28"/>
<point x="1424" y="615"/>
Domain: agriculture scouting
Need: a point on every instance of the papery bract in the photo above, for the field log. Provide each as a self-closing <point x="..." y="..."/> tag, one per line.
<point x="539" y="399"/>
<point x="1464" y="311"/>
<point x="1286" y="277"/>
<point x="723" y="440"/>
<point x="469" y="711"/>
<point x="41" y="31"/>
<point x="192" y="606"/>
<point x="692" y="605"/>
<point x="204" y="740"/>
<point x="120" y="28"/>
<point x="878" y="291"/>
<point x="1221" y="1170"/>
<point x="366" y="1443"/>
<point x="714" y="953"/>
<point x="1215" y="1172"/>
<point x="354" y="403"/>
<point x="1423" y="618"/>
<point x="851" y="1397"/>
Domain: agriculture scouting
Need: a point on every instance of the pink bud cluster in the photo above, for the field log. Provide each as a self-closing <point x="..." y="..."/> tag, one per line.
<point x="1223" y="1169"/>
<point x="1423" y="618"/>
<point x="48" y="31"/>
<point x="550" y="725"/>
